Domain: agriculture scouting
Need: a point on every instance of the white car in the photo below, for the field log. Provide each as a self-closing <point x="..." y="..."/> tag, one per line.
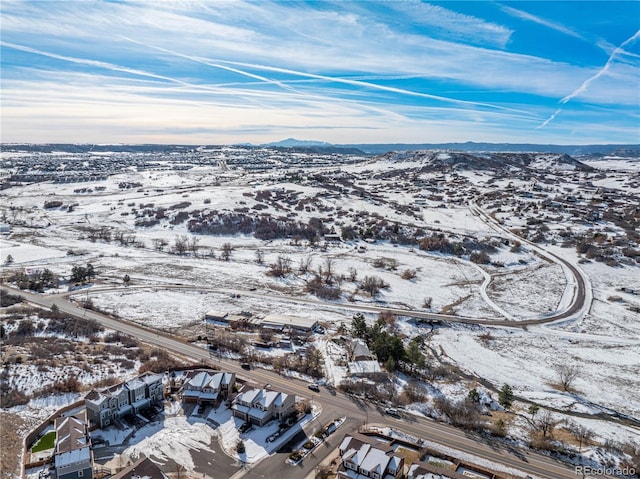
<point x="393" y="413"/>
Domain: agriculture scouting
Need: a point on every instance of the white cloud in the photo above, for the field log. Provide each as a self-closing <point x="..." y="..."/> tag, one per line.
<point x="453" y="25"/>
<point x="230" y="67"/>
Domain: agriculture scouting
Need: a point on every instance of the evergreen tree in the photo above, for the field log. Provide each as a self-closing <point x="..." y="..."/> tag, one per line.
<point x="474" y="396"/>
<point x="358" y="326"/>
<point x="78" y="274"/>
<point x="415" y="358"/>
<point x="505" y="397"/>
<point x="90" y="272"/>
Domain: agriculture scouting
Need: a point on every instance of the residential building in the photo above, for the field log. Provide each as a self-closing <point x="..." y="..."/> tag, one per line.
<point x="130" y="397"/>
<point x="73" y="457"/>
<point x="217" y="316"/>
<point x="259" y="406"/>
<point x="365" y="369"/>
<point x="281" y="322"/>
<point x="206" y="387"/>
<point x="360" y="351"/>
<point x="363" y="457"/>
<point x="424" y="470"/>
<point x="143" y="468"/>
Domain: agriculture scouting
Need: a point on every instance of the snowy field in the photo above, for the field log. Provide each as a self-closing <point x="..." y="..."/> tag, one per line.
<point x="604" y="342"/>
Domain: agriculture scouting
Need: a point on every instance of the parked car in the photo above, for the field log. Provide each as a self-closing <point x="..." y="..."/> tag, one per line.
<point x="247" y="426"/>
<point x="246" y="366"/>
<point x="314" y="387"/>
<point x="200" y="408"/>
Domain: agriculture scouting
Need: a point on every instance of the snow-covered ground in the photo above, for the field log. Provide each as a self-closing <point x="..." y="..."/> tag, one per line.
<point x="604" y="343"/>
<point x="176" y="437"/>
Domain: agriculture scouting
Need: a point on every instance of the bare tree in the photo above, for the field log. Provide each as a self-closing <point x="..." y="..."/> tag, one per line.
<point x="328" y="270"/>
<point x="227" y="250"/>
<point x="305" y="265"/>
<point x="159" y="243"/>
<point x="567" y="374"/>
<point x="180" y="244"/>
<point x="193" y="245"/>
<point x="353" y="274"/>
<point x="582" y="434"/>
<point x="259" y="256"/>
<point x="372" y="285"/>
<point x="322" y="471"/>
<point x="546" y="424"/>
<point x="281" y="267"/>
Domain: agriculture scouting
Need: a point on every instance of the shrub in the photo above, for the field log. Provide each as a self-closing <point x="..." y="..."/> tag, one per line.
<point x="12" y="397"/>
<point x="480" y="257"/>
<point x="409" y="274"/>
<point x="7" y="299"/>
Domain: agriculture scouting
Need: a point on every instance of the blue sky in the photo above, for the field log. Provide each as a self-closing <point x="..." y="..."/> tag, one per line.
<point x="215" y="72"/>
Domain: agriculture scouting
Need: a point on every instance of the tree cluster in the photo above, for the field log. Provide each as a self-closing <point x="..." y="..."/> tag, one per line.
<point x="388" y="346"/>
<point x="37" y="281"/>
<point x="80" y="274"/>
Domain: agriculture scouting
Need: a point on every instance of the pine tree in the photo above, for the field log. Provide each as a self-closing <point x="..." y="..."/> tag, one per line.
<point x="505" y="398"/>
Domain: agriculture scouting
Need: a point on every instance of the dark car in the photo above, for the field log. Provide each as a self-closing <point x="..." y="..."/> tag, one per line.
<point x="314" y="387"/>
<point x="245" y="427"/>
<point x="246" y="366"/>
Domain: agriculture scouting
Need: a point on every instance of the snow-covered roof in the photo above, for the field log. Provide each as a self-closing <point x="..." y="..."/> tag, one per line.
<point x="208" y="396"/>
<point x="359" y="349"/>
<point x="143" y="468"/>
<point x="96" y="397"/>
<point x="258" y="413"/>
<point x="73" y="457"/>
<point x="134" y="383"/>
<point x="375" y="461"/>
<point x="151" y="378"/>
<point x="364" y="367"/>
<point x="204" y="379"/>
<point x="198" y="381"/>
<point x="216" y="315"/>
<point x="71" y="433"/>
<point x="282" y="320"/>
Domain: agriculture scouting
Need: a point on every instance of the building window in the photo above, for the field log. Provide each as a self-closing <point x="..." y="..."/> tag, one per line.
<point x="80" y="473"/>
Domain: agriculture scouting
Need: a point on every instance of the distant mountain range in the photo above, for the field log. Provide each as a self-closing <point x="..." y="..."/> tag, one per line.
<point x="381" y="148"/>
<point x="573" y="150"/>
<point x="310" y="146"/>
<point x="292" y="143"/>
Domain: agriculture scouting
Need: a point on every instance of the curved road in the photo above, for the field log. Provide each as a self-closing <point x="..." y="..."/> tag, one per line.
<point x="577" y="304"/>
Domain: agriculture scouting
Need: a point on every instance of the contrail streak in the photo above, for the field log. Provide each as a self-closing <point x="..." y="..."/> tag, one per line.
<point x="225" y="64"/>
<point x="585" y="84"/>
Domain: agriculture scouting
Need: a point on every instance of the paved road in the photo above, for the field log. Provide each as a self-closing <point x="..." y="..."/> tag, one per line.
<point x="333" y="406"/>
<point x="581" y="289"/>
